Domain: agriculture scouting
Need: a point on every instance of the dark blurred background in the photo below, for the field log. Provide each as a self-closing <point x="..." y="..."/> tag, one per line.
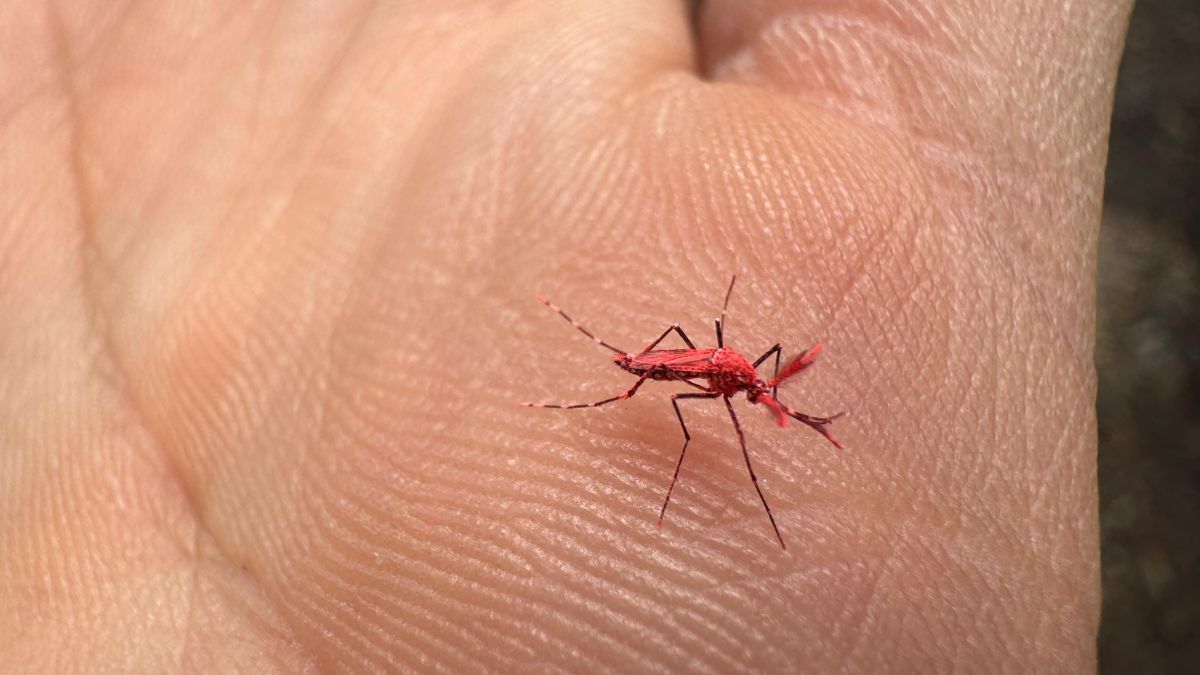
<point x="1148" y="350"/>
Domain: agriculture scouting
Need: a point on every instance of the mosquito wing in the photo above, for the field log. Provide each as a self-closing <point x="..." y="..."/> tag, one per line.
<point x="682" y="361"/>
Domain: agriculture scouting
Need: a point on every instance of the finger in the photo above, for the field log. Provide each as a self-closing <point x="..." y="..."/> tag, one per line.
<point x="868" y="51"/>
<point x="997" y="99"/>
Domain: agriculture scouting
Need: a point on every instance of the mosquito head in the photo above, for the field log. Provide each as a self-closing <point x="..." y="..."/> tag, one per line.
<point x="761" y="393"/>
<point x="756" y="389"/>
<point x="623" y="361"/>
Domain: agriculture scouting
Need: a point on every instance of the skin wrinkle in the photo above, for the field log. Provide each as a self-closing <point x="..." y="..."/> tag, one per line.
<point x="339" y="547"/>
<point x="847" y="15"/>
<point x="862" y="618"/>
<point x="119" y="383"/>
<point x="343" y="539"/>
<point x="859" y="272"/>
<point x="107" y="352"/>
<point x="193" y="595"/>
<point x="87" y="215"/>
<point x="49" y="81"/>
<point x="324" y="81"/>
<point x="1016" y="166"/>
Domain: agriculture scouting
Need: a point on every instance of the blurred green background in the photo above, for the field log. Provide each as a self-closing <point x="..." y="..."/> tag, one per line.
<point x="1148" y="350"/>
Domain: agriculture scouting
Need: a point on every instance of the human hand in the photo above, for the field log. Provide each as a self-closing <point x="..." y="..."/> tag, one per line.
<point x="266" y="279"/>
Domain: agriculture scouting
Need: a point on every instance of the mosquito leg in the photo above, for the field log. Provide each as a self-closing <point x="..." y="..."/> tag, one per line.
<point x="686" y="439"/>
<point x="619" y="397"/>
<point x="577" y="325"/>
<point x="673" y="327"/>
<point x="753" y="478"/>
<point x="773" y="350"/>
<point x="776" y="350"/>
<point x="775" y="375"/>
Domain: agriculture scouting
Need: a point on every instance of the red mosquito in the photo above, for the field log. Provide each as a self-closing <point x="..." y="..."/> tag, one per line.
<point x="727" y="373"/>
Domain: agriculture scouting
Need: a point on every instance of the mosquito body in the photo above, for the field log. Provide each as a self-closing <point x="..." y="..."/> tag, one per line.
<point x="727" y="371"/>
<point x="715" y="373"/>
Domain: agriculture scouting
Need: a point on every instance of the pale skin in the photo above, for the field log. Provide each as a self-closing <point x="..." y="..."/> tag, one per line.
<point x="266" y="304"/>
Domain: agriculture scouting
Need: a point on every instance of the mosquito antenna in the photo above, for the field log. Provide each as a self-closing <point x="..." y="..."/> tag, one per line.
<point x="721" y="321"/>
<point x="542" y="299"/>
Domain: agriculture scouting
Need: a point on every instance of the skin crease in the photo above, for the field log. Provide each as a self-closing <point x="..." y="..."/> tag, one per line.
<point x="266" y="304"/>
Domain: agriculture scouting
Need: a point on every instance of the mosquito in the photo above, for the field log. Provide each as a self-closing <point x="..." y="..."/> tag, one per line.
<point x="725" y="373"/>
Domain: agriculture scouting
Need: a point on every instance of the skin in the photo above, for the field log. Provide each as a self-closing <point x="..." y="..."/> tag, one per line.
<point x="266" y="279"/>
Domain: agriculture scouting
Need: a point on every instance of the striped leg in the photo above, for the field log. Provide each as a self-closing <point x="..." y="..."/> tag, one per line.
<point x="753" y="478"/>
<point x="619" y="397"/>
<point x="687" y="438"/>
